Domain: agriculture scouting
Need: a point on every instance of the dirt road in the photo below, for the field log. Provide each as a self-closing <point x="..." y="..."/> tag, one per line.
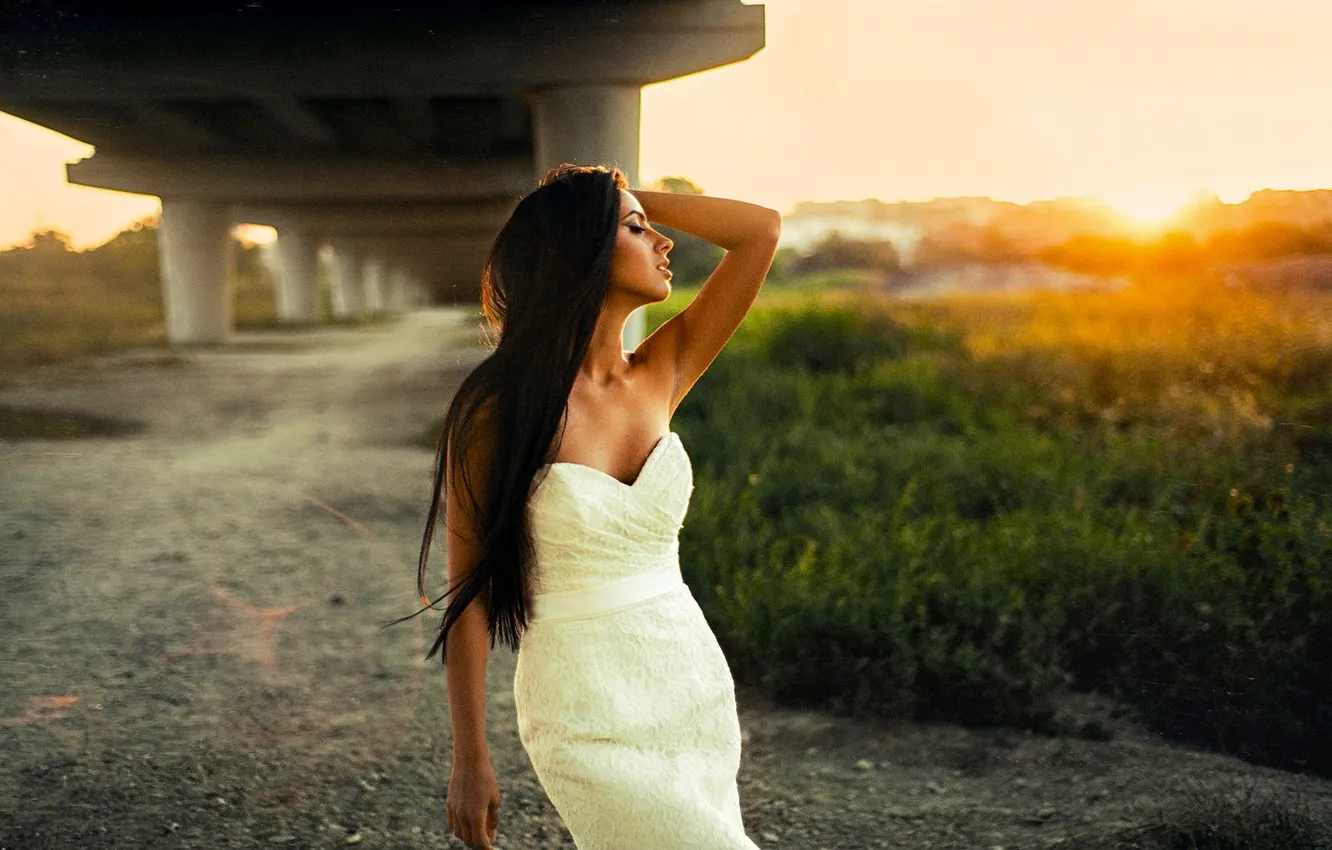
<point x="194" y="657"/>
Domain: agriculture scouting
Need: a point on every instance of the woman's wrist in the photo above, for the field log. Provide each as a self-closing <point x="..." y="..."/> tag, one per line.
<point x="470" y="753"/>
<point x="722" y="221"/>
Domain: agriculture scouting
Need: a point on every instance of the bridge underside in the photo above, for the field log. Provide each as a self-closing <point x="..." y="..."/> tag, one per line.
<point x="398" y="137"/>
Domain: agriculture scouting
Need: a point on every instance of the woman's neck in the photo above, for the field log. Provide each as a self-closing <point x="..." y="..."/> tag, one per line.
<point x="605" y="361"/>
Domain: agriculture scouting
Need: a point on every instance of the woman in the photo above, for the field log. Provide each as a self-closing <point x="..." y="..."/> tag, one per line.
<point x="564" y="492"/>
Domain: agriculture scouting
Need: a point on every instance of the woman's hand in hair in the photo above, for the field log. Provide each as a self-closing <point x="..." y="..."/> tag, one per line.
<point x="690" y="341"/>
<point x="474" y="802"/>
<point x="724" y="222"/>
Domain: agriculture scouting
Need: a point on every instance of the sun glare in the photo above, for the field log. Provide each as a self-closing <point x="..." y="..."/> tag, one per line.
<point x="1149" y="210"/>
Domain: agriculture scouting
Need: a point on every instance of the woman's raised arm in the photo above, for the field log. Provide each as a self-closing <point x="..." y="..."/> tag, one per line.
<point x="749" y="233"/>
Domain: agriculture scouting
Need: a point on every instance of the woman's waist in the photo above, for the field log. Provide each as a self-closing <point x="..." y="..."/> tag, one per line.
<point x="605" y="595"/>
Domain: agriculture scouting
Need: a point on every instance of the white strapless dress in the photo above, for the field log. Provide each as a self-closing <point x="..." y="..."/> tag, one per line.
<point x="625" y="703"/>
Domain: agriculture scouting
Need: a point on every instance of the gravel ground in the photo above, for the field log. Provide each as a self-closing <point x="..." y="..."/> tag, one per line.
<point x="195" y="657"/>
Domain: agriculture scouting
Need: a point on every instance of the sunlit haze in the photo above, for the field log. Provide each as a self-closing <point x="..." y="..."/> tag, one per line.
<point x="1142" y="103"/>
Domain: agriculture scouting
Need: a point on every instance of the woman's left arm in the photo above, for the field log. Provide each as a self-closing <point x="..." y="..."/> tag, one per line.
<point x="748" y="232"/>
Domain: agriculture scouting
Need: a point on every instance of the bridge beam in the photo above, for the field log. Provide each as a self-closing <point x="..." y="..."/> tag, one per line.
<point x="338" y="178"/>
<point x="382" y="218"/>
<point x="642" y="43"/>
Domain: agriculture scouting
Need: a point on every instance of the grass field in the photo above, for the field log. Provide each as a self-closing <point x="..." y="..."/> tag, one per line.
<point x="950" y="509"/>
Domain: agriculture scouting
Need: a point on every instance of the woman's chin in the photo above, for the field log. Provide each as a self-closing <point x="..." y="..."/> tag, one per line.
<point x="656" y="295"/>
<point x="641" y="296"/>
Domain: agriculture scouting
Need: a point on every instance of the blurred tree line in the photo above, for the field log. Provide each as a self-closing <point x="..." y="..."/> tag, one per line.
<point x="124" y="267"/>
<point x="1182" y="251"/>
<point x="1174" y="251"/>
<point x="1171" y="252"/>
<point x="57" y="302"/>
<point x="836" y="252"/>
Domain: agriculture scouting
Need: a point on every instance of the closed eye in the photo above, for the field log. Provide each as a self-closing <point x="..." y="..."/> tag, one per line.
<point x="636" y="229"/>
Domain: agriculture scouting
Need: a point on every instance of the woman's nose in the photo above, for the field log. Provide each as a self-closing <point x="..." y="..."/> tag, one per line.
<point x="667" y="242"/>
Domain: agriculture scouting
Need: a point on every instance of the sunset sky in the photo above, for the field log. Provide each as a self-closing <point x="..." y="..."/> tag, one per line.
<point x="1139" y="102"/>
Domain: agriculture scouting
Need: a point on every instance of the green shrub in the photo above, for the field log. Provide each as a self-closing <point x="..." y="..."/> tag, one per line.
<point x="1244" y="666"/>
<point x="881" y="525"/>
<point x="828" y="340"/>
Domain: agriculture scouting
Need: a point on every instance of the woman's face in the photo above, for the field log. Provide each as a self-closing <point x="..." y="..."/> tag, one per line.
<point x="638" y="265"/>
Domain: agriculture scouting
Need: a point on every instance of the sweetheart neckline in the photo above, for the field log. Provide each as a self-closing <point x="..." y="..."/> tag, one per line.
<point x="656" y="447"/>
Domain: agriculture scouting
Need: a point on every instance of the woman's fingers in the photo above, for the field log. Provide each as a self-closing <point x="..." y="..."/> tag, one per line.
<point x="475" y="839"/>
<point x="492" y="816"/>
<point x="474" y="831"/>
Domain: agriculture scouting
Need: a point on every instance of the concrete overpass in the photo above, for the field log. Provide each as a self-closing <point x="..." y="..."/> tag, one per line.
<point x="399" y="135"/>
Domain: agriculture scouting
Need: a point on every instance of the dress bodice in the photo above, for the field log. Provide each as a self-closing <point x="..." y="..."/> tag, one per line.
<point x="590" y="528"/>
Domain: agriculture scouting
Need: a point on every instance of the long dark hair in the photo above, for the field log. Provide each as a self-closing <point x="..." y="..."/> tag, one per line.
<point x="543" y="288"/>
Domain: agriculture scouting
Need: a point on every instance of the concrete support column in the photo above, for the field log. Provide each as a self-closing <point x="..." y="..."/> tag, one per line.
<point x="416" y="292"/>
<point x="298" y="280"/>
<point x="345" y="283"/>
<point x="411" y="288"/>
<point x="591" y="125"/>
<point x="372" y="279"/>
<point x="268" y="259"/>
<point x="194" y="246"/>
<point x="408" y="283"/>
<point x="587" y="125"/>
<point x="395" y="290"/>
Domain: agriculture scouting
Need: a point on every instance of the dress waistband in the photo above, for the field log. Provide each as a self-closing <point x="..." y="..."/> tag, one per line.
<point x="605" y="597"/>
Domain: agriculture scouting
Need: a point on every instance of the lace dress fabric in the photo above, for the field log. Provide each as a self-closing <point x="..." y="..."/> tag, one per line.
<point x="628" y="715"/>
